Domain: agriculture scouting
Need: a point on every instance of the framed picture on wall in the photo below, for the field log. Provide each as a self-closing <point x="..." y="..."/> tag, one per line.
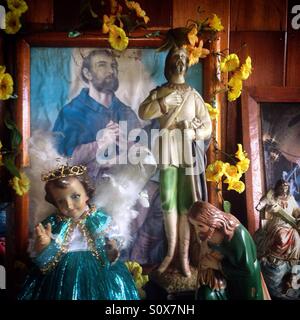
<point x="50" y="78"/>
<point x="271" y="136"/>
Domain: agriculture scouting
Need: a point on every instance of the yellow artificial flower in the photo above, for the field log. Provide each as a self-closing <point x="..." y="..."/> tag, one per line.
<point x="133" y="5"/>
<point x="243" y="165"/>
<point x="236" y="185"/>
<point x="2" y="69"/>
<point x="240" y="154"/>
<point x="12" y="20"/>
<point x="215" y="23"/>
<point x="230" y="63"/>
<point x="136" y="271"/>
<point x="234" y="88"/>
<point x="245" y="69"/>
<point x="232" y="173"/>
<point x="6" y="86"/>
<point x="108" y="21"/>
<point x="17" y="6"/>
<point x="192" y="36"/>
<point x="195" y="53"/>
<point x="146" y="19"/>
<point x="213" y="112"/>
<point x="214" y="171"/>
<point x="20" y="185"/>
<point x="117" y="38"/>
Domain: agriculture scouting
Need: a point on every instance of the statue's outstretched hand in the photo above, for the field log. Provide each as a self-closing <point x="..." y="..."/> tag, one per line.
<point x="43" y="237"/>
<point x="112" y="251"/>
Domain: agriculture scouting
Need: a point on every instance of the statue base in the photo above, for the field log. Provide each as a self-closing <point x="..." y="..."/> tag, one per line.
<point x="175" y="284"/>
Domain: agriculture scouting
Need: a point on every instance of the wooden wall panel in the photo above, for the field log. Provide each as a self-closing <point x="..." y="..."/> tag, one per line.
<point x="39" y="12"/>
<point x="183" y="10"/>
<point x="268" y="56"/>
<point x="63" y="21"/>
<point x="258" y="15"/>
<point x="160" y="13"/>
<point x="267" y="50"/>
<point x="293" y="59"/>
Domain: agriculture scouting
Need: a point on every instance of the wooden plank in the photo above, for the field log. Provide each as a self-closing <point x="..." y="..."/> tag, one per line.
<point x="39" y="12"/>
<point x="159" y="12"/>
<point x="63" y="21"/>
<point x="252" y="143"/>
<point x="184" y="10"/>
<point x="90" y="39"/>
<point x="258" y="15"/>
<point x="267" y="51"/>
<point x="275" y="94"/>
<point x="22" y="116"/>
<point x="293" y="59"/>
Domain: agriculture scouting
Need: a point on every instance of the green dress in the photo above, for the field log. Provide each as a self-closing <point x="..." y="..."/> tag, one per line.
<point x="74" y="266"/>
<point x="240" y="268"/>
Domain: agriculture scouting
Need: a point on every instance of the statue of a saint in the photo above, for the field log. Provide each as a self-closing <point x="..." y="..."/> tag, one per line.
<point x="185" y="131"/>
<point x="278" y="240"/>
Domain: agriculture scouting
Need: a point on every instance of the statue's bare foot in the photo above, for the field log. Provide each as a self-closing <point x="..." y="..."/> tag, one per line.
<point x="185" y="266"/>
<point x="164" y="265"/>
<point x="187" y="272"/>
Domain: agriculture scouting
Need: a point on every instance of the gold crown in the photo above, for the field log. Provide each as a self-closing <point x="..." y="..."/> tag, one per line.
<point x="63" y="171"/>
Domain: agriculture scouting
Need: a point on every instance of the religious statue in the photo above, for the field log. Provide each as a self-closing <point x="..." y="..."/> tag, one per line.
<point x="185" y="131"/>
<point x="228" y="268"/>
<point x="278" y="240"/>
<point x="76" y="249"/>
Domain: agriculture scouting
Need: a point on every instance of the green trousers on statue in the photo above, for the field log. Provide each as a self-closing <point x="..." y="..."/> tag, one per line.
<point x="175" y="190"/>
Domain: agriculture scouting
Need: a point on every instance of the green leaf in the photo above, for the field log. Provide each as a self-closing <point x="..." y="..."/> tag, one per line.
<point x="152" y="34"/>
<point x="227" y="206"/>
<point x="9" y="122"/>
<point x="16" y="139"/>
<point x="15" y="134"/>
<point x="74" y="34"/>
<point x="10" y="166"/>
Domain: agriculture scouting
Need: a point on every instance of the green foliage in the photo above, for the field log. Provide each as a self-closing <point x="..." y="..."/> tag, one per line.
<point x="74" y="34"/>
<point x="227" y="206"/>
<point x="15" y="134"/>
<point x="9" y="163"/>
